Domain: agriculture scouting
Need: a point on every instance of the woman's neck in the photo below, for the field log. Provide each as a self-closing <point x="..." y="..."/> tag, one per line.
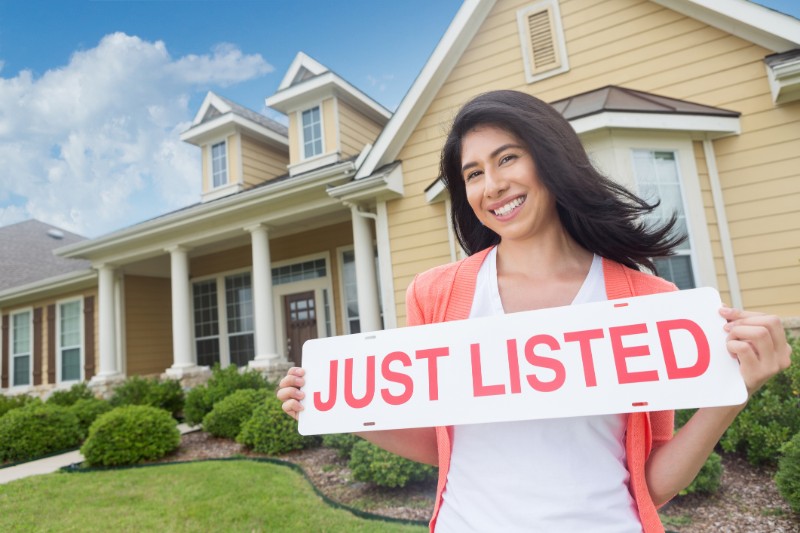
<point x="553" y="253"/>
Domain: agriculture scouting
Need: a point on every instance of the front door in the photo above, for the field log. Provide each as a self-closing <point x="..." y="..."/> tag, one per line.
<point x="301" y="323"/>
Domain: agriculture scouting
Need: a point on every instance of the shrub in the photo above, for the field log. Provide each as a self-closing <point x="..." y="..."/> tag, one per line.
<point x="228" y="414"/>
<point x="771" y="418"/>
<point x="200" y="400"/>
<point x="87" y="410"/>
<point x="709" y="478"/>
<point x="788" y="476"/>
<point x="37" y="429"/>
<point x="375" y="465"/>
<point x="270" y="431"/>
<point x="79" y="391"/>
<point x="682" y="416"/>
<point x="341" y="442"/>
<point x="167" y="394"/>
<point x="7" y="403"/>
<point x="130" y="434"/>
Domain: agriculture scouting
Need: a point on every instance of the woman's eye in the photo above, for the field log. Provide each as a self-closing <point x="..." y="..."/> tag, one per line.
<point x="472" y="175"/>
<point x="507" y="158"/>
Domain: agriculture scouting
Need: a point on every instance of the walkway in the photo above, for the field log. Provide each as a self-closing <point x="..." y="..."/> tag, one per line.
<point x="54" y="463"/>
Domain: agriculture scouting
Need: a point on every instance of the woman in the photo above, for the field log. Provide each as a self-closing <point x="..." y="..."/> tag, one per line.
<point x="544" y="229"/>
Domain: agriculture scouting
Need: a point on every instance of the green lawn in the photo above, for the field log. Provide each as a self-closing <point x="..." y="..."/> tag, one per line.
<point x="203" y="496"/>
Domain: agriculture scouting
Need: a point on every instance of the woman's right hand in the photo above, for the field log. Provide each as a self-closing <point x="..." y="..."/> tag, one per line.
<point x="289" y="391"/>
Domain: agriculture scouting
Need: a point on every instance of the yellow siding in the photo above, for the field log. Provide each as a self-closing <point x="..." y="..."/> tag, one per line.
<point x="294" y="139"/>
<point x="355" y="130"/>
<point x="148" y="325"/>
<point x="205" y="154"/>
<point x="321" y="240"/>
<point x="644" y="46"/>
<point x="261" y="162"/>
<point x="330" y="127"/>
<point x="233" y="150"/>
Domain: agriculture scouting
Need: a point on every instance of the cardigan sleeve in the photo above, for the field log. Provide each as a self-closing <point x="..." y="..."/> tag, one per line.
<point x="414" y="314"/>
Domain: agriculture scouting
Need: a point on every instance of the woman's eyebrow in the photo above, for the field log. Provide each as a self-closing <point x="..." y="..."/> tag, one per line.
<point x="494" y="154"/>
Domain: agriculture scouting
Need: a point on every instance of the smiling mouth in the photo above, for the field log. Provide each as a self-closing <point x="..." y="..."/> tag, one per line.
<point x="510" y="206"/>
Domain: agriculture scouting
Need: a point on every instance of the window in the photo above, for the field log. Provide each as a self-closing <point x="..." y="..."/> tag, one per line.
<point x="312" y="132"/>
<point x="299" y="272"/>
<point x="219" y="165"/>
<point x="224" y="330"/>
<point x="21" y="347"/>
<point x="70" y="345"/>
<point x="657" y="178"/>
<point x="206" y="322"/>
<point x="542" y="38"/>
<point x="353" y="324"/>
<point x="239" y="304"/>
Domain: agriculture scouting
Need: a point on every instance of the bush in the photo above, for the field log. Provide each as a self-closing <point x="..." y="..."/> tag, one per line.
<point x="271" y="431"/>
<point x="228" y="414"/>
<point x="682" y="416"/>
<point x="87" y="410"/>
<point x="788" y="476"/>
<point x="709" y="478"/>
<point x="200" y="400"/>
<point x="375" y="465"/>
<point x="37" y="429"/>
<point x="131" y="434"/>
<point x="79" y="391"/>
<point x="7" y="403"/>
<point x="341" y="442"/>
<point x="771" y="418"/>
<point x="167" y="394"/>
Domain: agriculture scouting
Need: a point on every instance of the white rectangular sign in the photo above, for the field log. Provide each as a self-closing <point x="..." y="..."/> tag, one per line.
<point x="648" y="353"/>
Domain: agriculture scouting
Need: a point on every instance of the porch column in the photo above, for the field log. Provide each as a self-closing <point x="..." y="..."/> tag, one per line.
<point x="263" y="313"/>
<point x="183" y="360"/>
<point x="369" y="312"/>
<point x="108" y="370"/>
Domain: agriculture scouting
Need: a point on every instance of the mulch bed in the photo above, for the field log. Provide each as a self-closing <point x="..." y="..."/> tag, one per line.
<point x="748" y="501"/>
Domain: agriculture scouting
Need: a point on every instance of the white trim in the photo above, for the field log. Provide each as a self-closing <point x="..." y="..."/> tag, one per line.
<point x="387" y="185"/>
<point x="42" y="288"/>
<point x="558" y="32"/>
<point x="301" y="60"/>
<point x="11" y="357"/>
<point x="432" y="76"/>
<point x="720" y="126"/>
<point x="230" y="122"/>
<point x="227" y="182"/>
<point x="325" y="86"/>
<point x="722" y="225"/>
<point x="82" y="347"/>
<point x="313" y="163"/>
<point x="337" y="125"/>
<point x="340" y="250"/>
<point x="317" y="285"/>
<point x="385" y="271"/>
<point x="748" y="20"/>
<point x="436" y="192"/>
<point x="220" y="192"/>
<point x="784" y="81"/>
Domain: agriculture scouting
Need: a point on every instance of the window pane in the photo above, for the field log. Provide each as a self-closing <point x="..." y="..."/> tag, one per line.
<point x="242" y="349"/>
<point x="312" y="132"/>
<point x="206" y="322"/>
<point x="22" y="333"/>
<point x="219" y="164"/>
<point x="677" y="269"/>
<point x="239" y="303"/>
<point x="22" y="370"/>
<point x="71" y="364"/>
<point x="350" y="291"/>
<point x="207" y="352"/>
<point x="70" y="324"/>
<point x="299" y="272"/>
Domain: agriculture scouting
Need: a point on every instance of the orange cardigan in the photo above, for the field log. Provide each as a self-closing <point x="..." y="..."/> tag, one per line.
<point x="445" y="293"/>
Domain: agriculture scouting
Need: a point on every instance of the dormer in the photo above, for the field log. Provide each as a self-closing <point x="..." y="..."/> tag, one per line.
<point x="329" y="119"/>
<point x="240" y="148"/>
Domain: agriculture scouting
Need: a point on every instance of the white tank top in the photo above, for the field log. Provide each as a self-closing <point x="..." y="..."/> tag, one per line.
<point x="553" y="475"/>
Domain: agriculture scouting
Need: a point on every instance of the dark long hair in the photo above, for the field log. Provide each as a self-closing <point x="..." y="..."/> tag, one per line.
<point x="601" y="215"/>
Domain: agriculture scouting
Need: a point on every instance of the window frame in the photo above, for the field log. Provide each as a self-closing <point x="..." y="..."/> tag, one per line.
<point x="532" y="74"/>
<point x="342" y="290"/>
<point x="12" y="356"/>
<point x="60" y="348"/>
<point x="226" y="167"/>
<point x="301" y="132"/>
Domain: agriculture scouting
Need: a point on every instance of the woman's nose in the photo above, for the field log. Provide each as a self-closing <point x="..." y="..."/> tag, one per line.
<point x="494" y="184"/>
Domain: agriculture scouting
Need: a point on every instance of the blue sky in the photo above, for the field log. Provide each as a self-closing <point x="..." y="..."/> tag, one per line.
<point x="93" y="94"/>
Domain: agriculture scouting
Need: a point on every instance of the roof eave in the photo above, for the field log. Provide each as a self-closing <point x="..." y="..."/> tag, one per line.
<point x="713" y="126"/>
<point x="206" y="131"/>
<point x="41" y="288"/>
<point x="784" y="81"/>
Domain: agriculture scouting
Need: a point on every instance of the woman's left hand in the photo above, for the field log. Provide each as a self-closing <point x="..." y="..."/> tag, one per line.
<point x="759" y="343"/>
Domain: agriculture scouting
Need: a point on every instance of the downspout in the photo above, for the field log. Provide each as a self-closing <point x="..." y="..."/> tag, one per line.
<point x="722" y="224"/>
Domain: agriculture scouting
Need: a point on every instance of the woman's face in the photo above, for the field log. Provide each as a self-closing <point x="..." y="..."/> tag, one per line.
<point x="502" y="185"/>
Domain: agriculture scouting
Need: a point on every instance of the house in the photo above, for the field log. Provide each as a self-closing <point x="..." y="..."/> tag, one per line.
<point x="316" y="229"/>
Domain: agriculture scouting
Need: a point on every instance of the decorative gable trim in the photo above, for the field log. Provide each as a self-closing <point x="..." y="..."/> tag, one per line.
<point x="783" y="72"/>
<point x="302" y="68"/>
<point x="541" y="36"/>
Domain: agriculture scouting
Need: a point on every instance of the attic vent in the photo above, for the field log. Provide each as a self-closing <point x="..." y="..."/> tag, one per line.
<point x="543" y="50"/>
<point x="212" y="112"/>
<point x="542" y="40"/>
<point x="55" y="234"/>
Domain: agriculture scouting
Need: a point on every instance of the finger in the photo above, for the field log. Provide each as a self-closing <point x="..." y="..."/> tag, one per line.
<point x="292" y="408"/>
<point x="297" y="371"/>
<point x="291" y="381"/>
<point x="288" y="393"/>
<point x="759" y="337"/>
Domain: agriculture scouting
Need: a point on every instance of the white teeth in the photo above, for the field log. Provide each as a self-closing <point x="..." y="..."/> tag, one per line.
<point x="506" y="209"/>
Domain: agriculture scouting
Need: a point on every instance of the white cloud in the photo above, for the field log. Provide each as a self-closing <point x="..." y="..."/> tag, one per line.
<point x="93" y="146"/>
